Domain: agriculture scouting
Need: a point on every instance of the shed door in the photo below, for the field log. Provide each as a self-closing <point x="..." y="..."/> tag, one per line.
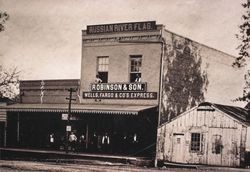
<point x="222" y="147"/>
<point x="215" y="146"/>
<point x="178" y="146"/>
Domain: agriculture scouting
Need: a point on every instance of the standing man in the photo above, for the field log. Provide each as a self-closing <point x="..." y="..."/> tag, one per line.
<point x="52" y="141"/>
<point x="82" y="142"/>
<point x="105" y="142"/>
<point x="72" y="141"/>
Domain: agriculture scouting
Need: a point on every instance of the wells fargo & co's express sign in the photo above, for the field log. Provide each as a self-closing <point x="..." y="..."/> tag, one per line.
<point x="119" y="95"/>
<point x="119" y="91"/>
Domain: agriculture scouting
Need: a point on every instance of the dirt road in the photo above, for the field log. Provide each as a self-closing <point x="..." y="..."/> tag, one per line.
<point x="23" y="166"/>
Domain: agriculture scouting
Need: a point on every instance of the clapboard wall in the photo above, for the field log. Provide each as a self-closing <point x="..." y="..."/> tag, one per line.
<point x="174" y="138"/>
<point x="47" y="91"/>
<point x="2" y="112"/>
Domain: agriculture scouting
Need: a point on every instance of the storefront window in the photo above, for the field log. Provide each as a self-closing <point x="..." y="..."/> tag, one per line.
<point x="135" y="68"/>
<point x="102" y="68"/>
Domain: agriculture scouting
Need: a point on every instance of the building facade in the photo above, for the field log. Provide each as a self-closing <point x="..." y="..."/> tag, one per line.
<point x="134" y="77"/>
<point x="3" y="116"/>
<point x="39" y="113"/>
<point x="209" y="134"/>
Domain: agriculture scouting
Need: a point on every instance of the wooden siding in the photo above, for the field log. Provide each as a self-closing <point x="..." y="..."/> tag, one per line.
<point x="175" y="138"/>
<point x="2" y="113"/>
<point x="248" y="140"/>
<point x="53" y="91"/>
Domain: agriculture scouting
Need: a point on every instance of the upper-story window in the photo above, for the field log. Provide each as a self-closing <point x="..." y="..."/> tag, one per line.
<point x="102" y="68"/>
<point x="135" y="68"/>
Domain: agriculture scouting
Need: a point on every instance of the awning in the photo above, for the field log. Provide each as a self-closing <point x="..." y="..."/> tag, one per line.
<point x="80" y="108"/>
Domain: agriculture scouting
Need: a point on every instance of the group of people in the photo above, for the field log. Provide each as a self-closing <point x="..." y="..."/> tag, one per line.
<point x="114" y="142"/>
<point x="74" y="143"/>
<point x="97" y="142"/>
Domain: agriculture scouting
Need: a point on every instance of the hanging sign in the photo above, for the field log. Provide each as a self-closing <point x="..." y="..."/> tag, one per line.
<point x="65" y="116"/>
<point x="68" y="128"/>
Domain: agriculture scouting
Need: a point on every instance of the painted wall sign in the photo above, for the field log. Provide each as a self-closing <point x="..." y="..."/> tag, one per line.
<point x="127" y="87"/>
<point x="121" y="27"/>
<point x="119" y="95"/>
<point x="42" y="91"/>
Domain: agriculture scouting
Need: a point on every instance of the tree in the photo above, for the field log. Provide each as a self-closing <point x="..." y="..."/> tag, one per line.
<point x="9" y="83"/>
<point x="184" y="81"/>
<point x="244" y="50"/>
<point x="246" y="89"/>
<point x="244" y="37"/>
<point x="3" y="18"/>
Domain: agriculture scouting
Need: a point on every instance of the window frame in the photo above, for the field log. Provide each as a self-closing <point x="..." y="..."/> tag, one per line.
<point x="137" y="59"/>
<point x="102" y="67"/>
<point x="196" y="142"/>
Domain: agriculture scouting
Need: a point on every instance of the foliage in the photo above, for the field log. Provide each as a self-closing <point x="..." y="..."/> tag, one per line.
<point x="244" y="37"/>
<point x="246" y="89"/>
<point x="3" y="18"/>
<point x="244" y="50"/>
<point x="184" y="83"/>
<point x="9" y="83"/>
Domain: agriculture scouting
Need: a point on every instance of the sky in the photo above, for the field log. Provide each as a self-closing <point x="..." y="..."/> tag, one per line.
<point x="42" y="38"/>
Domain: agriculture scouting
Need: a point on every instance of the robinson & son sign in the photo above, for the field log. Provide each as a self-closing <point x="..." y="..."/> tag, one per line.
<point x="119" y="87"/>
<point x="119" y="91"/>
<point x="121" y="27"/>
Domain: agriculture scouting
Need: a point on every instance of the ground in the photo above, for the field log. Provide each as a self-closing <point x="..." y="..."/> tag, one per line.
<point x="97" y="166"/>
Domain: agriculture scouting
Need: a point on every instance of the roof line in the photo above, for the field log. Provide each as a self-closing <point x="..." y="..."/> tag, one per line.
<point x="50" y="80"/>
<point x="178" y="116"/>
<point x="230" y="116"/>
<point x="232" y="56"/>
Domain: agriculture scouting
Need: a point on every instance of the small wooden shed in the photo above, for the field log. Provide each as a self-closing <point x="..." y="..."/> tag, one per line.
<point x="209" y="134"/>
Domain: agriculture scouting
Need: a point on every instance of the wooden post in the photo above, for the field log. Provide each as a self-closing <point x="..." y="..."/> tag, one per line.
<point x="87" y="136"/>
<point x="18" y="128"/>
<point x="68" y="120"/>
<point x="5" y="133"/>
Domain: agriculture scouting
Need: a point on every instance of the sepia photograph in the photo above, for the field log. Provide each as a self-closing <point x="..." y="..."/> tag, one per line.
<point x="115" y="85"/>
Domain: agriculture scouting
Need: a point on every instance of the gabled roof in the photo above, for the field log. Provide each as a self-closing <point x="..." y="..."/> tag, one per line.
<point x="238" y="113"/>
<point x="247" y="106"/>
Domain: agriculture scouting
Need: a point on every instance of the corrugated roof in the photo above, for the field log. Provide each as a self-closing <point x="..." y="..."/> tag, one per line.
<point x="80" y="108"/>
<point x="239" y="113"/>
<point x="247" y="106"/>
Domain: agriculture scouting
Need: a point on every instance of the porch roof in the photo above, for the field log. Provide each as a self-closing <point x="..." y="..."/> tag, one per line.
<point x="80" y="108"/>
